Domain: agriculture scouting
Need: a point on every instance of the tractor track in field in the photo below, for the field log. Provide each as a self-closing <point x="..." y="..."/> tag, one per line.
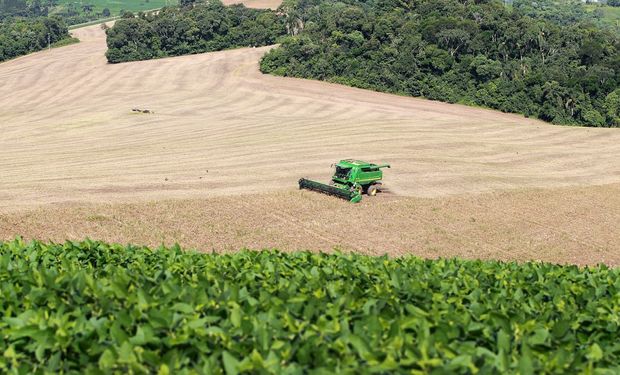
<point x="222" y="131"/>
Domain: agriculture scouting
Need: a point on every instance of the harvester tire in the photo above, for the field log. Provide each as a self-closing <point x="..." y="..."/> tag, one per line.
<point x="372" y="191"/>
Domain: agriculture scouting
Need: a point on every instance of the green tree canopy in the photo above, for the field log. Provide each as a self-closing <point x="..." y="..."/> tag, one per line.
<point x="526" y="60"/>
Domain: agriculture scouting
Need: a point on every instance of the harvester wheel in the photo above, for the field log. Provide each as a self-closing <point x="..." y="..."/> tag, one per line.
<point x="372" y="190"/>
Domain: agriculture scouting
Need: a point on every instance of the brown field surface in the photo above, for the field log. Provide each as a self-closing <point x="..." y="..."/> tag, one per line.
<point x="565" y="225"/>
<point x="271" y="4"/>
<point x="217" y="164"/>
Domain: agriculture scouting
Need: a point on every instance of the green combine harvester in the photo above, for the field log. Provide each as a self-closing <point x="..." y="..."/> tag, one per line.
<point x="351" y="179"/>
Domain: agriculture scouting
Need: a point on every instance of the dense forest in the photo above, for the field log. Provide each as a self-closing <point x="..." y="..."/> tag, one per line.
<point x="19" y="36"/>
<point x="23" y="8"/>
<point x="563" y="12"/>
<point x="471" y="52"/>
<point x="193" y="28"/>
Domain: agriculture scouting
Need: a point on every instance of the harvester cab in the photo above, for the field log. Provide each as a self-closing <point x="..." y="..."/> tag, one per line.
<point x="351" y="179"/>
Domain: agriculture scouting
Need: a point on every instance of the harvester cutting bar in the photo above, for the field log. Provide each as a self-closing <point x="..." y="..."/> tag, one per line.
<point x="347" y="194"/>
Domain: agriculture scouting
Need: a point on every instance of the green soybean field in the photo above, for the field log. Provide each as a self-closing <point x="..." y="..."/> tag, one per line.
<point x="94" y="308"/>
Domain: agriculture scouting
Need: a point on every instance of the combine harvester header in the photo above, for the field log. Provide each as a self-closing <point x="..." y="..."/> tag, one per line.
<point x="351" y="179"/>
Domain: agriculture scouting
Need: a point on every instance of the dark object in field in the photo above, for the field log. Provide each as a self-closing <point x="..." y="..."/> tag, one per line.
<point x="142" y="110"/>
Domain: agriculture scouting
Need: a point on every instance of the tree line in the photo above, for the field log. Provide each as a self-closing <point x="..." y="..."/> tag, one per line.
<point x="472" y="52"/>
<point x="522" y="59"/>
<point x="191" y="28"/>
<point x="562" y="12"/>
<point x="23" y="8"/>
<point x="20" y="36"/>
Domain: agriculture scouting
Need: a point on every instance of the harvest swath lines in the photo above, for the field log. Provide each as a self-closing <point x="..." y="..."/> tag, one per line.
<point x="216" y="111"/>
<point x="69" y="136"/>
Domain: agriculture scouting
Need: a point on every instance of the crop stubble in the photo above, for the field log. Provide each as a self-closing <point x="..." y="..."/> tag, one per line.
<point x="226" y="145"/>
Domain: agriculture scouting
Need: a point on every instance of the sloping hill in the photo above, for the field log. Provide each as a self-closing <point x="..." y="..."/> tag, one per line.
<point x="221" y="128"/>
<point x="69" y="132"/>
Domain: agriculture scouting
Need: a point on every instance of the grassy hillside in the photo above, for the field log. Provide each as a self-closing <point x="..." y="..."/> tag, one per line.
<point x="115" y="6"/>
<point x="77" y="12"/>
<point x="609" y="15"/>
<point x="91" y="307"/>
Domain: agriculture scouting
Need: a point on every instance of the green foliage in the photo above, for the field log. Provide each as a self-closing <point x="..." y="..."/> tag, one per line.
<point x="22" y="36"/>
<point x="77" y="12"/>
<point x="474" y="52"/>
<point x="191" y="29"/>
<point x="609" y="15"/>
<point x="10" y="8"/>
<point x="91" y="307"/>
<point x="612" y="105"/>
<point x="571" y="12"/>
<point x="562" y="12"/>
<point x="65" y="42"/>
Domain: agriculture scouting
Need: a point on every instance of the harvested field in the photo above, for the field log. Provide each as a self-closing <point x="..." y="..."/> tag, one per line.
<point x="264" y="4"/>
<point x="567" y="225"/>
<point x="222" y="132"/>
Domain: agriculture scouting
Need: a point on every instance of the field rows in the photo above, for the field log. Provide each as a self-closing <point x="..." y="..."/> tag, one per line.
<point x="223" y="132"/>
<point x="255" y="133"/>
